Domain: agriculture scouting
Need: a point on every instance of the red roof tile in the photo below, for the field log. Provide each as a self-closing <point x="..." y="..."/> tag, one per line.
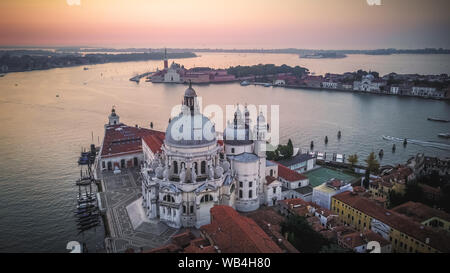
<point x="290" y="175"/>
<point x="421" y="212"/>
<point x="154" y="141"/>
<point x="233" y="233"/>
<point x="122" y="139"/>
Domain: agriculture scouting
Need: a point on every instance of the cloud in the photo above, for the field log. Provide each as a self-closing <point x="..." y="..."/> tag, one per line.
<point x="73" y="2"/>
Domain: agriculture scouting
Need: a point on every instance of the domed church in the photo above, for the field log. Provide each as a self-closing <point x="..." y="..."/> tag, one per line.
<point x="193" y="170"/>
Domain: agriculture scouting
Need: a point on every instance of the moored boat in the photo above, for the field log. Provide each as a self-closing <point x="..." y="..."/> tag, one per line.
<point x="438" y="119"/>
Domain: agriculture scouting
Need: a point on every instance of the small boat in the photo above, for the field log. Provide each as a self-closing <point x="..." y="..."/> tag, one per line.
<point x="83" y="182"/>
<point x="2" y="75"/>
<point x="86" y="206"/>
<point x="444" y="135"/>
<point x="267" y="85"/>
<point x="86" y="68"/>
<point x="84" y="195"/>
<point x="92" y="201"/>
<point x="57" y="95"/>
<point x="245" y="83"/>
<point x="83" y="199"/>
<point x="80" y="211"/>
<point x="88" y="215"/>
<point x="438" y="119"/>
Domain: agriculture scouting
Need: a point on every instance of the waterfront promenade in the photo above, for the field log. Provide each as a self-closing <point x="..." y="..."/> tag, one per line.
<point x="125" y="225"/>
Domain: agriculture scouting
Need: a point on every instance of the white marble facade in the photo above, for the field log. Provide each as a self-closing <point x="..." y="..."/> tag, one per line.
<point x="193" y="172"/>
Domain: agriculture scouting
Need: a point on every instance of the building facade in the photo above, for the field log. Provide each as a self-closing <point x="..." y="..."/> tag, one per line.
<point x="190" y="171"/>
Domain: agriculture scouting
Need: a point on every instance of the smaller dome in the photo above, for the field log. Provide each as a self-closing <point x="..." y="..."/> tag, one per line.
<point x="261" y="119"/>
<point x="190" y="92"/>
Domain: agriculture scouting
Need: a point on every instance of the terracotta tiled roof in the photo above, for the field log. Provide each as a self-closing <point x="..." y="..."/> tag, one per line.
<point x="299" y="206"/>
<point x="359" y="189"/>
<point x="170" y="248"/>
<point x="290" y="175"/>
<point x="269" y="220"/>
<point x="322" y="211"/>
<point x="154" y="141"/>
<point x="357" y="239"/>
<point x="233" y="233"/>
<point x="122" y="139"/>
<point x="199" y="245"/>
<point x="420" y="212"/>
<point x="183" y="239"/>
<point x="437" y="239"/>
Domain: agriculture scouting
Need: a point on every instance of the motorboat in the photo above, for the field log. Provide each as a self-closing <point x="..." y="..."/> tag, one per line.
<point x="438" y="119"/>
<point x="444" y="135"/>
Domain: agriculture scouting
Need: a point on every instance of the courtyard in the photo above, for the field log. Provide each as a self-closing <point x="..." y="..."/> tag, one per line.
<point x="126" y="223"/>
<point x="323" y="174"/>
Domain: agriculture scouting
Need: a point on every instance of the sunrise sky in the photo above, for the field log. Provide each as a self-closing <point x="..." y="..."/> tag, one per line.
<point x="327" y="24"/>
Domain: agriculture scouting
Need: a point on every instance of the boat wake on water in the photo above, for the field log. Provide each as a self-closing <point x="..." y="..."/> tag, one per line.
<point x="433" y="144"/>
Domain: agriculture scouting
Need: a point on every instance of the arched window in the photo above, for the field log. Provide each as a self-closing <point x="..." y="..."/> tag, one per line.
<point x="250" y="194"/>
<point x="169" y="198"/>
<point x="206" y="198"/>
<point x="203" y="167"/>
<point x="240" y="193"/>
<point x="175" y="167"/>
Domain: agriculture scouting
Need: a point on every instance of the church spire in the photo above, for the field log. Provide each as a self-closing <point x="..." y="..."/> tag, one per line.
<point x="166" y="61"/>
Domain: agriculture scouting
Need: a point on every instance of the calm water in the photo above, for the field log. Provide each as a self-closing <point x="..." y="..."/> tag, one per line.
<point x="41" y="135"/>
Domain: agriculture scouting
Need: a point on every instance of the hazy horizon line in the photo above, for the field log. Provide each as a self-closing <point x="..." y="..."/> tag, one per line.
<point x="213" y="48"/>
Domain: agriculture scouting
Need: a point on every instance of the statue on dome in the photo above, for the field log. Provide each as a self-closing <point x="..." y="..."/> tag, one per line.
<point x="193" y="174"/>
<point x="183" y="175"/>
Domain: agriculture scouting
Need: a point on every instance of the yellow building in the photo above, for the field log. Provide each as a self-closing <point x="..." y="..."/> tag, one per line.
<point x="405" y="235"/>
<point x="425" y="215"/>
<point x="394" y="181"/>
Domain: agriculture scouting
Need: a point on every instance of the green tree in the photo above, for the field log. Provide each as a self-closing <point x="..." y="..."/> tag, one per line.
<point x="300" y="234"/>
<point x="394" y="199"/>
<point x="372" y="166"/>
<point x="353" y="159"/>
<point x="290" y="149"/>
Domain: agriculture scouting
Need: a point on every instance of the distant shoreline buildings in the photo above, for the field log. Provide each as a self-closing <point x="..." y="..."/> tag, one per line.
<point x="413" y="85"/>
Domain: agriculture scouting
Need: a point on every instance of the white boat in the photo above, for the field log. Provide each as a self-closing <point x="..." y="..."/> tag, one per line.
<point x="437" y="145"/>
<point x="245" y="83"/>
<point x="444" y="135"/>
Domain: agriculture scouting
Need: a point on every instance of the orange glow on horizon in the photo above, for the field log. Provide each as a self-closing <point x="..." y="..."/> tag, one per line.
<point x="227" y="24"/>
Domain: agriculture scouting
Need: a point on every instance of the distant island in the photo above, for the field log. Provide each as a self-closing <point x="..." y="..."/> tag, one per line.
<point x="27" y="60"/>
<point x="323" y="55"/>
<point x="329" y="53"/>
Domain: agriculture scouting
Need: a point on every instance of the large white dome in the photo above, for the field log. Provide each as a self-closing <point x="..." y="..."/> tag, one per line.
<point x="190" y="130"/>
